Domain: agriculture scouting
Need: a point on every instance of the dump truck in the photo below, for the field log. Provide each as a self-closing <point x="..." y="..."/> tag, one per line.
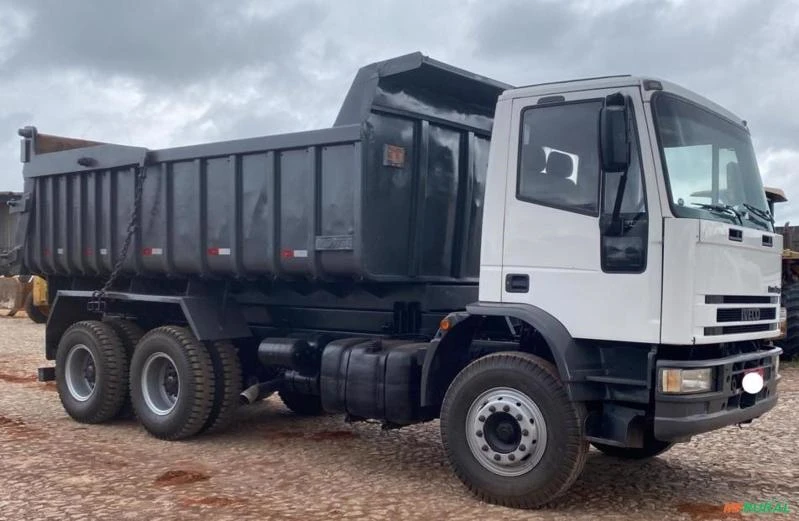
<point x="525" y="264"/>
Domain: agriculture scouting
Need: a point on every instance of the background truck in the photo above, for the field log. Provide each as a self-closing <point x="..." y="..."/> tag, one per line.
<point x="526" y="264"/>
<point x="789" y="338"/>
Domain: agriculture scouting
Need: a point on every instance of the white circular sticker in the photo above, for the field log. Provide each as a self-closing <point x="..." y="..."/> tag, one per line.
<point x="752" y="383"/>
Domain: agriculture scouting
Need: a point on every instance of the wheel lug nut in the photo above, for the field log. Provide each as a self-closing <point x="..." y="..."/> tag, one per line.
<point x="484" y="448"/>
<point x="525" y="432"/>
<point x="519" y="417"/>
<point x="479" y="434"/>
<point x="497" y="457"/>
<point x="492" y="409"/>
<point x="506" y="408"/>
<point x="512" y="457"/>
<point x="522" y="447"/>
<point x="482" y="418"/>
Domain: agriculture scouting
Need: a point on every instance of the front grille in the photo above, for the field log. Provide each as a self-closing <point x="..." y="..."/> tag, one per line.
<point x="734" y="330"/>
<point x="745" y="314"/>
<point x="741" y="299"/>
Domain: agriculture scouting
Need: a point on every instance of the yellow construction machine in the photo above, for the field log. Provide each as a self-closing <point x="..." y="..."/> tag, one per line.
<point x="28" y="293"/>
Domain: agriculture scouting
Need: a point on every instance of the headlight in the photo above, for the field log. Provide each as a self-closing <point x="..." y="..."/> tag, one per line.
<point x="673" y="380"/>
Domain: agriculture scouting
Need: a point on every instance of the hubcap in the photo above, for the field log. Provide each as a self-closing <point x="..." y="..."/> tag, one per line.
<point x="506" y="431"/>
<point x="80" y="372"/>
<point x="160" y="383"/>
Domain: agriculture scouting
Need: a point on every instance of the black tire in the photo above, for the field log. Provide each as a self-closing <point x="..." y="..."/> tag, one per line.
<point x="227" y="386"/>
<point x="302" y="404"/>
<point x="790" y="300"/>
<point x="651" y="448"/>
<point x="564" y="453"/>
<point x="101" y="400"/>
<point x="130" y="334"/>
<point x="34" y="313"/>
<point x="176" y="349"/>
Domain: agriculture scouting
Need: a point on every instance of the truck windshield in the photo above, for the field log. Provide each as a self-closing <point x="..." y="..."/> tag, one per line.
<point x="710" y="165"/>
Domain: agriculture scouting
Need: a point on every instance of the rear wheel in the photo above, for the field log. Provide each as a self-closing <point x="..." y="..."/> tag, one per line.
<point x="91" y="372"/>
<point x="34" y="313"/>
<point x="790" y="299"/>
<point x="171" y="383"/>
<point x="227" y="386"/>
<point x="510" y="431"/>
<point x="130" y="334"/>
<point x="651" y="448"/>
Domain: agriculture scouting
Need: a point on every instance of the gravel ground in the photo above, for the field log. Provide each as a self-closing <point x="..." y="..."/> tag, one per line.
<point x="274" y="465"/>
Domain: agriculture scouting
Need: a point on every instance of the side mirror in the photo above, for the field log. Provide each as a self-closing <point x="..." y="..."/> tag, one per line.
<point x="614" y="140"/>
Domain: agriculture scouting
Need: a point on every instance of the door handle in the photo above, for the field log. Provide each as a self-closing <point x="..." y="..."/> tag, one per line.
<point x="517" y="283"/>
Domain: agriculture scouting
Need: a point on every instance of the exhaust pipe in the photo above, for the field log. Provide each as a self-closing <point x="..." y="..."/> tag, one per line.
<point x="261" y="390"/>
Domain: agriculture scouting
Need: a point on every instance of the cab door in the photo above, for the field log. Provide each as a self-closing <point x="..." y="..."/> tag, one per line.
<point x="565" y="251"/>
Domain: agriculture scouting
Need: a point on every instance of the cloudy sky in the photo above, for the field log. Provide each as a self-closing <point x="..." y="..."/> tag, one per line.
<point x="160" y="73"/>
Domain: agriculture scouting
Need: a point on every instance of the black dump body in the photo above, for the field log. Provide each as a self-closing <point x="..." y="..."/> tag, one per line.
<point x="388" y="200"/>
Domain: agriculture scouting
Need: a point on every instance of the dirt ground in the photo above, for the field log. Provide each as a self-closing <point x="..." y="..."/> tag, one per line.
<point x="274" y="465"/>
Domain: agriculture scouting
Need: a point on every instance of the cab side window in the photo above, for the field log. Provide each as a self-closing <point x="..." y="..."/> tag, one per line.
<point x="559" y="159"/>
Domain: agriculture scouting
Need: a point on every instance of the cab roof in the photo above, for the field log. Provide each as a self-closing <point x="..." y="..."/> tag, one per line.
<point x="648" y="86"/>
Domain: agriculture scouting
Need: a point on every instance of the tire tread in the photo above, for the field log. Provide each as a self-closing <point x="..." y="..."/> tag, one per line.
<point x="114" y="387"/>
<point x="227" y="387"/>
<point x="202" y="374"/>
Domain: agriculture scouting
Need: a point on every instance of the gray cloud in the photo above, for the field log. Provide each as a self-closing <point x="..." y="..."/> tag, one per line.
<point x="163" y="42"/>
<point x="169" y="72"/>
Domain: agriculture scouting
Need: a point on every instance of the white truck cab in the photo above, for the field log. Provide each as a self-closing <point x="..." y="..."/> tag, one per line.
<point x="628" y="242"/>
<point x="689" y="256"/>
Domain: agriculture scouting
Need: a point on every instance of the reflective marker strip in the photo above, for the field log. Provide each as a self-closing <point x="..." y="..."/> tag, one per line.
<point x="60" y="251"/>
<point x="294" y="254"/>
<point x="152" y="251"/>
<point x="218" y="251"/>
<point x="103" y="251"/>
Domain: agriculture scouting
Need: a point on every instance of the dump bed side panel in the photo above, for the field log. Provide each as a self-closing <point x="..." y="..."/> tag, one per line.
<point x="392" y="193"/>
<point x="249" y="213"/>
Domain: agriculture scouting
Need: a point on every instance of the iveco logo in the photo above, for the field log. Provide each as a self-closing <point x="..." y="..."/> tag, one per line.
<point x="750" y="314"/>
<point x="774" y="289"/>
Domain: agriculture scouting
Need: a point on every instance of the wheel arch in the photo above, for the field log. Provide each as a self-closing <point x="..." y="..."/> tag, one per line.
<point x="208" y="318"/>
<point x="449" y="350"/>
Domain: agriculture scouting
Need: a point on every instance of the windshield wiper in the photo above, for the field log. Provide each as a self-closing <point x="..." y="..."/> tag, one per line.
<point x="763" y="214"/>
<point x="724" y="209"/>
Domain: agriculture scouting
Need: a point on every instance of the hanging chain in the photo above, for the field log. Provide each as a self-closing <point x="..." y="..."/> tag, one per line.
<point x="97" y="303"/>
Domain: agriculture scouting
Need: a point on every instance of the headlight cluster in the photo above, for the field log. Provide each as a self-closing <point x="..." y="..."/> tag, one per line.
<point x="685" y="381"/>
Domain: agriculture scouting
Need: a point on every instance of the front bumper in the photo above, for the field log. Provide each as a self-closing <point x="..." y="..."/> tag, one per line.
<point x="678" y="417"/>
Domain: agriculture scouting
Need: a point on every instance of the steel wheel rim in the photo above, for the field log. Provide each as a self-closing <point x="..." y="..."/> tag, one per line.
<point x="160" y="383"/>
<point x="80" y="372"/>
<point x="506" y="431"/>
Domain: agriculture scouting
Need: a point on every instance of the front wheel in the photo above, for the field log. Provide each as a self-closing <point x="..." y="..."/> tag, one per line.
<point x="510" y="431"/>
